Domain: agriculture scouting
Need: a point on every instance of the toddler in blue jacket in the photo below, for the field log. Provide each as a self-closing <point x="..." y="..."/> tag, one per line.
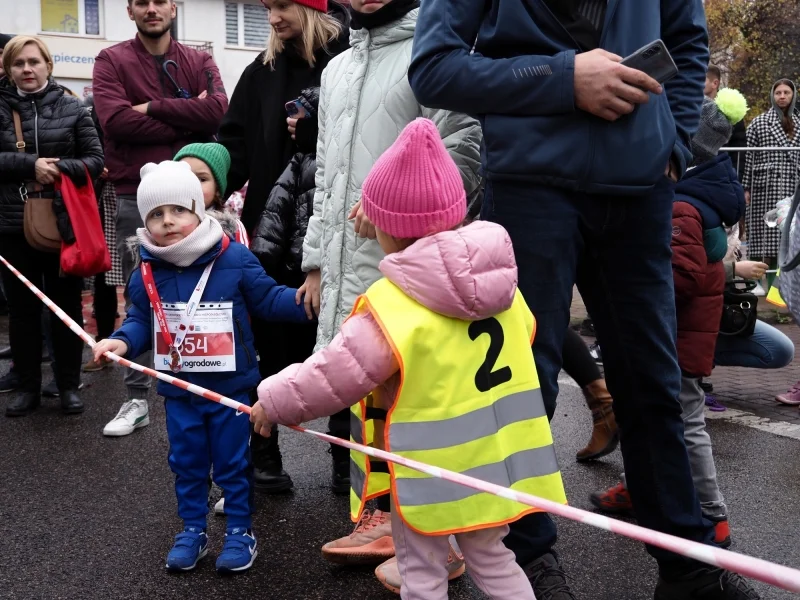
<point x="191" y="301"/>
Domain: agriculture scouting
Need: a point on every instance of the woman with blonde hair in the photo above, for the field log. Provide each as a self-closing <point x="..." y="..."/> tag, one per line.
<point x="44" y="134"/>
<point x="262" y="139"/>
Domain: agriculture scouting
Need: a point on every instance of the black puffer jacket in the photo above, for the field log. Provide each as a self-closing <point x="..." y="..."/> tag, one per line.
<point x="54" y="125"/>
<point x="278" y="237"/>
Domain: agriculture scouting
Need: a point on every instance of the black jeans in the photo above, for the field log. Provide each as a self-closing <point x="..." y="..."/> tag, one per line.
<point x="105" y="306"/>
<point x="25" y="314"/>
<point x="578" y="363"/>
<point x="617" y="250"/>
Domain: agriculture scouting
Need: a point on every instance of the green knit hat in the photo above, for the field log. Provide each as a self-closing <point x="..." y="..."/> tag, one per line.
<point x="217" y="158"/>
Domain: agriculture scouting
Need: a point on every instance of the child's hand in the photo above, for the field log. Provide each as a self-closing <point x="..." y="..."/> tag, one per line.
<point x="258" y="417"/>
<point x="117" y="347"/>
<point x="309" y="293"/>
<point x="363" y="226"/>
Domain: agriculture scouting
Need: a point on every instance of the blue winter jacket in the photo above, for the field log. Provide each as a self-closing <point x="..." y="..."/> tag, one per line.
<point x="237" y="277"/>
<point x="519" y="82"/>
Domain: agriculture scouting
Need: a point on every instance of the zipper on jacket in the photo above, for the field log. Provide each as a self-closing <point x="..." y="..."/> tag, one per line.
<point x="241" y="335"/>
<point x="35" y="127"/>
<point x="349" y="170"/>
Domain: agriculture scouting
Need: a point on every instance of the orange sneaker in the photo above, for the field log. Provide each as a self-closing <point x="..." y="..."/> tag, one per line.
<point x="389" y="574"/>
<point x="614" y="500"/>
<point x="370" y="543"/>
<point x="722" y="534"/>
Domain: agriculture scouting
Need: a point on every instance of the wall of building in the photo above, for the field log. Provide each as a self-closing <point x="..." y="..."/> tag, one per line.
<point x="199" y="20"/>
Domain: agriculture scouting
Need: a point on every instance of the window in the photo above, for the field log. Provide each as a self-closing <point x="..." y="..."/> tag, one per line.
<point x="246" y="25"/>
<point x="76" y="17"/>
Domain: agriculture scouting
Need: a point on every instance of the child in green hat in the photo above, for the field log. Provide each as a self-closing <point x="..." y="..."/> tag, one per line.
<point x="211" y="163"/>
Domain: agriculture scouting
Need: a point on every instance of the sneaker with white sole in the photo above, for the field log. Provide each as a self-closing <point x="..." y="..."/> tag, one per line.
<point x="219" y="507"/>
<point x="370" y="543"/>
<point x="388" y="573"/>
<point x="131" y="416"/>
<point x="238" y="552"/>
<point x="190" y="546"/>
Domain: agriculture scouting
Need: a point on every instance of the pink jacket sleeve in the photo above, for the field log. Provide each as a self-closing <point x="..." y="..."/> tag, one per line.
<point x="194" y="114"/>
<point x="117" y="117"/>
<point x="357" y="361"/>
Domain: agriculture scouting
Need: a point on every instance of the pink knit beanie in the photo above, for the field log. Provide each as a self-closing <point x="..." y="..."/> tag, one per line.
<point x="415" y="189"/>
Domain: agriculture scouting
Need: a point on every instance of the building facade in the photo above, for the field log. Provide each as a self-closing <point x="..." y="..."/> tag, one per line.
<point x="234" y="32"/>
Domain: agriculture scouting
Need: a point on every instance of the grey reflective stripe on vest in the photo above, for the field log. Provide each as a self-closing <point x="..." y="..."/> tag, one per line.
<point x="355" y="428"/>
<point x="448" y="433"/>
<point x="522" y="465"/>
<point x="357" y="479"/>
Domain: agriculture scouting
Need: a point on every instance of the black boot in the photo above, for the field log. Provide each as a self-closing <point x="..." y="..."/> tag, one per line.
<point x="23" y="405"/>
<point x="340" y="474"/>
<point x="708" y="583"/>
<point x="548" y="580"/>
<point x="268" y="474"/>
<point x="71" y="403"/>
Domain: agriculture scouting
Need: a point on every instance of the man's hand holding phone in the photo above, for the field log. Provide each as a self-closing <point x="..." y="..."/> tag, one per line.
<point x="606" y="88"/>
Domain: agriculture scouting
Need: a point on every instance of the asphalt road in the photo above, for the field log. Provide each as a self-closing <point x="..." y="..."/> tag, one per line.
<point x="83" y="516"/>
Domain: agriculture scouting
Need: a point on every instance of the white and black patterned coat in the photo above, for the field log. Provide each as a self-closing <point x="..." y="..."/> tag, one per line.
<point x="769" y="177"/>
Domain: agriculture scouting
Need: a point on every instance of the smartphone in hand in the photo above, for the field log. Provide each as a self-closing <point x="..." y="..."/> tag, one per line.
<point x="653" y="59"/>
<point x="295" y="110"/>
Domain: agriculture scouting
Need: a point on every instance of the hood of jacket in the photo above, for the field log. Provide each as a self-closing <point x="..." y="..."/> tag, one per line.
<point x="467" y="273"/>
<point x="794" y="96"/>
<point x="391" y="33"/>
<point x="714" y="189"/>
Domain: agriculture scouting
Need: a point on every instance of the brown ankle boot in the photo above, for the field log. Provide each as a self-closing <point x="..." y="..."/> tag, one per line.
<point x="604" y="434"/>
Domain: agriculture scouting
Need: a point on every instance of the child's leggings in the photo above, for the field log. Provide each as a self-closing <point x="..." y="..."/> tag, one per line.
<point x="422" y="559"/>
<point x="202" y="433"/>
<point x="698" y="445"/>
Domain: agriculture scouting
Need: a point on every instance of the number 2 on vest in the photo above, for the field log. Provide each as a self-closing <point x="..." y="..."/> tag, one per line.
<point x="485" y="378"/>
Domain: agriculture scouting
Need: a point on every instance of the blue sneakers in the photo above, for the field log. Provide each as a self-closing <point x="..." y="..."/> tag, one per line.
<point x="238" y="552"/>
<point x="190" y="546"/>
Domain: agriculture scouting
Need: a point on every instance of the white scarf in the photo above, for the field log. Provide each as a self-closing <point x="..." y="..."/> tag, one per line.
<point x="23" y="94"/>
<point x="190" y="248"/>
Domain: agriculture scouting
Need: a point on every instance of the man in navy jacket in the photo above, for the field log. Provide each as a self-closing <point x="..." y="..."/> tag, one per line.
<point x="581" y="156"/>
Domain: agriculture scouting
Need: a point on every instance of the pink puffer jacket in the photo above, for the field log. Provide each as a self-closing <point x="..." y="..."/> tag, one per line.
<point x="468" y="273"/>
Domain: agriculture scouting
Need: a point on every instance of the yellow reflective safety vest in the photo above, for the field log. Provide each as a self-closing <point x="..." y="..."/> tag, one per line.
<point x="774" y="294"/>
<point x="369" y="477"/>
<point x="468" y="401"/>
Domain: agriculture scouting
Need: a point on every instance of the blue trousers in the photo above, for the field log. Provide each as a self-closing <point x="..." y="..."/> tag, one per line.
<point x="201" y="434"/>
<point x="617" y="250"/>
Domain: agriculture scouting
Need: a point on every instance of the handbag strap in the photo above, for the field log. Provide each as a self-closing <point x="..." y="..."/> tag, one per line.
<point x="18" y="131"/>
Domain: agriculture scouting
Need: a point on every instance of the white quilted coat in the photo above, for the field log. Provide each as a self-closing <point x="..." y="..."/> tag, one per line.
<point x="365" y="102"/>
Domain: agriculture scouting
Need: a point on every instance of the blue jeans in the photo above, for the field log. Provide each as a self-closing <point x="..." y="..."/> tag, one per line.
<point x="767" y="348"/>
<point x="617" y="250"/>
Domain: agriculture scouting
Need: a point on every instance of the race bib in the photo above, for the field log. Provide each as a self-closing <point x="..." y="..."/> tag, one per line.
<point x="209" y="345"/>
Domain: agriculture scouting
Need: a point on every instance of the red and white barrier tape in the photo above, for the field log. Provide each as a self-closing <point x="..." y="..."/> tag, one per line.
<point x="771" y="573"/>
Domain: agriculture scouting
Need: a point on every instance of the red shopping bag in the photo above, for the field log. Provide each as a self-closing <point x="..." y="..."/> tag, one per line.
<point x="89" y="254"/>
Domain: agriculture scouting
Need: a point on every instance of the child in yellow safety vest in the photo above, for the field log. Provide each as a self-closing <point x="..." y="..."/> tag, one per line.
<point x="441" y="345"/>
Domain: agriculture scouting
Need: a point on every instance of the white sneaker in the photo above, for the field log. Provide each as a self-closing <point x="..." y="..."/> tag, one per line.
<point x="132" y="415"/>
<point x="219" y="507"/>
